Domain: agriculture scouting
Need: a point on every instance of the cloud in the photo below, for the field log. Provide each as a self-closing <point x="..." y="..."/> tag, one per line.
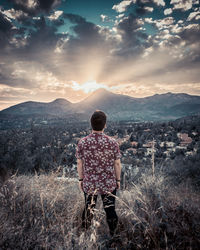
<point x="14" y="94"/>
<point x="34" y="7"/>
<point x="104" y="18"/>
<point x="6" y="31"/>
<point x="120" y="16"/>
<point x="143" y="90"/>
<point x="164" y="23"/>
<point x="149" y="9"/>
<point x="159" y="2"/>
<point x="122" y="6"/>
<point x="14" y="14"/>
<point x="197" y="17"/>
<point x="149" y="20"/>
<point x="156" y="2"/>
<point x="84" y="51"/>
<point x="56" y="19"/>
<point x="5" y="23"/>
<point x="168" y="11"/>
<point x="191" y="36"/>
<point x="38" y="57"/>
<point x="30" y="53"/>
<point x="89" y="86"/>
<point x="194" y="15"/>
<point x="160" y="24"/>
<point x="129" y="28"/>
<point x="143" y="7"/>
<point x="20" y="74"/>
<point x="55" y="15"/>
<point x="88" y="34"/>
<point x="182" y="5"/>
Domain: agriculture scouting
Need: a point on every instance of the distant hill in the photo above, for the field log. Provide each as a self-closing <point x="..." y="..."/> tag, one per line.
<point x="167" y="106"/>
<point x="56" y="107"/>
<point x="193" y="119"/>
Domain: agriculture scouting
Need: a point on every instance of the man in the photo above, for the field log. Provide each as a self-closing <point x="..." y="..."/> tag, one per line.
<point x="99" y="170"/>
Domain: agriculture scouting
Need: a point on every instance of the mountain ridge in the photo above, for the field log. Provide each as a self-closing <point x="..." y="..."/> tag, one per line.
<point x="119" y="107"/>
<point x="102" y="90"/>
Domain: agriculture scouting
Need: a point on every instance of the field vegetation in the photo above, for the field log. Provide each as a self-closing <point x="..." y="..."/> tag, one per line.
<point x="43" y="212"/>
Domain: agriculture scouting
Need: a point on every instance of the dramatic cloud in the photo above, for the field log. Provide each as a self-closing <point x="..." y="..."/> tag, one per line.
<point x="129" y="28"/>
<point x="47" y="52"/>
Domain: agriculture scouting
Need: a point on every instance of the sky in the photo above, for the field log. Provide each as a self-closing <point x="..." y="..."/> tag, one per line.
<point x="70" y="48"/>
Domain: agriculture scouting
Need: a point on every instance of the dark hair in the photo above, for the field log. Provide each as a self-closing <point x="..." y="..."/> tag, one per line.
<point x="98" y="120"/>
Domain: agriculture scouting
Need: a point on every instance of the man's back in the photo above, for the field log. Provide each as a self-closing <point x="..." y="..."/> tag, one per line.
<point x="99" y="170"/>
<point x="98" y="153"/>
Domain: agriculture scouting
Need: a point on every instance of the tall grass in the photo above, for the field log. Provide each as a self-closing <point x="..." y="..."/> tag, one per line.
<point x="43" y="212"/>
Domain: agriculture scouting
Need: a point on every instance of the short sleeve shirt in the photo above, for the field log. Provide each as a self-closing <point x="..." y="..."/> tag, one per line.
<point x="98" y="153"/>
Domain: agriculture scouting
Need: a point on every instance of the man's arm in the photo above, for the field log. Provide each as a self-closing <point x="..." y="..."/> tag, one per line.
<point x="117" y="167"/>
<point x="80" y="172"/>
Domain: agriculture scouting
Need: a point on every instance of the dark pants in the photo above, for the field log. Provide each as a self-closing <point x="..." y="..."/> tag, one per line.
<point x="109" y="207"/>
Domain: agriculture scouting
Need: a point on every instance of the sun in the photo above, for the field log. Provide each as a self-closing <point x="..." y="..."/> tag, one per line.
<point x="89" y="86"/>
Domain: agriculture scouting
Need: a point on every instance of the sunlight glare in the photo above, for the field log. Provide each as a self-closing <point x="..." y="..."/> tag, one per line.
<point x="89" y="86"/>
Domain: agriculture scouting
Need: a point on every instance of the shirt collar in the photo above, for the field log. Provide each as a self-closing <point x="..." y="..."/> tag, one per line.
<point x="97" y="133"/>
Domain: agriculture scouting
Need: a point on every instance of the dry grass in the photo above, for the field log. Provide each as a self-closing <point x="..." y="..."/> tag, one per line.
<point x="42" y="212"/>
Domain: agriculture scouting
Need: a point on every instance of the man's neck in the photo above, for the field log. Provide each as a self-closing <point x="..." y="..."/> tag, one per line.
<point x="98" y="132"/>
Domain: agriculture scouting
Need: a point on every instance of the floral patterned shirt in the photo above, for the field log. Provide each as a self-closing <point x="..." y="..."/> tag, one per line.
<point x="98" y="153"/>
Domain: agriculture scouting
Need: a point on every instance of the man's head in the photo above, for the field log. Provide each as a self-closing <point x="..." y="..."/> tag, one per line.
<point x="98" y="120"/>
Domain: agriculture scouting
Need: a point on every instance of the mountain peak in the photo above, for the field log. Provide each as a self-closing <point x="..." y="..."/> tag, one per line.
<point x="99" y="94"/>
<point x="61" y="101"/>
<point x="101" y="91"/>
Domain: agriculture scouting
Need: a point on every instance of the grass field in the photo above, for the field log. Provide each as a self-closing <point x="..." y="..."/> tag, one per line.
<point x="43" y="212"/>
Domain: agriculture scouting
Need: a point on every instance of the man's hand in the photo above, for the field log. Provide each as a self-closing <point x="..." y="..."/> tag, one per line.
<point x="117" y="167"/>
<point x="80" y="173"/>
<point x="81" y="185"/>
<point x="118" y="184"/>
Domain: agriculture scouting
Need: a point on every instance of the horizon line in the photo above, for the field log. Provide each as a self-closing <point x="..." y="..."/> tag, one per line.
<point x="169" y="92"/>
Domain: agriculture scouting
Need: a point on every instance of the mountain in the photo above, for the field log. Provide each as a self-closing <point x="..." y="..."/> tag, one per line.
<point x="168" y="106"/>
<point x="56" y="107"/>
<point x="170" y="99"/>
<point x="115" y="105"/>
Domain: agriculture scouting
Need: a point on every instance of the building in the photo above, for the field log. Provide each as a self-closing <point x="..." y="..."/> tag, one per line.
<point x="134" y="143"/>
<point x="133" y="150"/>
<point x="185" y="139"/>
<point x="148" y="145"/>
<point x="169" y="144"/>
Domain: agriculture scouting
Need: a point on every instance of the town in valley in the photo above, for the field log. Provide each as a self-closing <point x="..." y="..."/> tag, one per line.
<point x="45" y="146"/>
